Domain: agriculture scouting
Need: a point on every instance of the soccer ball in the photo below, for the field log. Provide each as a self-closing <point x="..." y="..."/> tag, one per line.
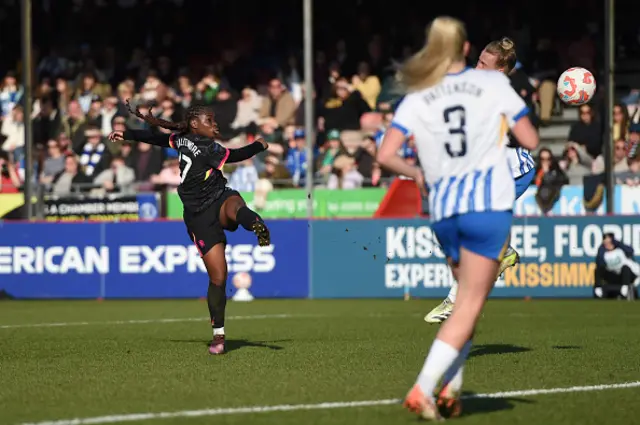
<point x="576" y="86"/>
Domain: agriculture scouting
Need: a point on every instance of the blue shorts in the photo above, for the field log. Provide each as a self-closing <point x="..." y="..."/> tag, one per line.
<point x="524" y="181"/>
<point x="483" y="233"/>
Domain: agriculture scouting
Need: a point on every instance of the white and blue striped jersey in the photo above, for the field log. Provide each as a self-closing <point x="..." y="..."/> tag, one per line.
<point x="460" y="127"/>
<point x="521" y="161"/>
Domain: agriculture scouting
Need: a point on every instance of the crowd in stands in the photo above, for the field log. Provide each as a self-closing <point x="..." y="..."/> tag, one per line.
<point x="583" y="153"/>
<point x="81" y="89"/>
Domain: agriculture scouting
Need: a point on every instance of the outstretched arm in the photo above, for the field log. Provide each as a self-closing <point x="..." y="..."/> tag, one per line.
<point x="145" y="136"/>
<point x="246" y="152"/>
<point x="218" y="155"/>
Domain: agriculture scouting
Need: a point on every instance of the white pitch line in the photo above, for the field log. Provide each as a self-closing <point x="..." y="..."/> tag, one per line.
<point x="146" y="321"/>
<point x="318" y="406"/>
<point x="183" y="319"/>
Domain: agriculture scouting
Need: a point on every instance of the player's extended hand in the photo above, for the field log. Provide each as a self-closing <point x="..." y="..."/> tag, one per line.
<point x="116" y="136"/>
<point x="264" y="144"/>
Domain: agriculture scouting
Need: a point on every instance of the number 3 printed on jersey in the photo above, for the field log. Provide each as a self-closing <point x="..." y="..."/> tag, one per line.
<point x="455" y="118"/>
<point x="187" y="166"/>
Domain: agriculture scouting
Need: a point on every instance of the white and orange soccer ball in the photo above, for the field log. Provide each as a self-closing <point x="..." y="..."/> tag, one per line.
<point x="576" y="86"/>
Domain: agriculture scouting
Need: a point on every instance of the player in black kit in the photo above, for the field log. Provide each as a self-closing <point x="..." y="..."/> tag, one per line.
<point x="210" y="207"/>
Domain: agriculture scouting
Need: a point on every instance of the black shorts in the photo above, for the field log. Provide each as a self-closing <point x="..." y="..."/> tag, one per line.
<point x="205" y="229"/>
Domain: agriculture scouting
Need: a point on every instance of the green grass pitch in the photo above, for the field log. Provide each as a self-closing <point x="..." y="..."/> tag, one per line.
<point x="127" y="357"/>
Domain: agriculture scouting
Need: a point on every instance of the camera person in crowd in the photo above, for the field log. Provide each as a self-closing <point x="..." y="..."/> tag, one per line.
<point x="617" y="272"/>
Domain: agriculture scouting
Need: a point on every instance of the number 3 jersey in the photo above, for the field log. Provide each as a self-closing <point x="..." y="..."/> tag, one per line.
<point x="460" y="128"/>
<point x="201" y="179"/>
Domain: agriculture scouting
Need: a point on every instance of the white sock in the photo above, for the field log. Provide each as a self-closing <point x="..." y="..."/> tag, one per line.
<point x="453" y="376"/>
<point x="218" y="331"/>
<point x="440" y="358"/>
<point x="453" y="292"/>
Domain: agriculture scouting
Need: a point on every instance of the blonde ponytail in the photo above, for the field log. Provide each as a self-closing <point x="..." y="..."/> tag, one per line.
<point x="444" y="46"/>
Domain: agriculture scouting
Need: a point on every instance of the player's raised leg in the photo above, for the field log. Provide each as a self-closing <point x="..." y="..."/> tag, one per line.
<point x="511" y="258"/>
<point x="216" y="265"/>
<point x="522" y="182"/>
<point x="235" y="210"/>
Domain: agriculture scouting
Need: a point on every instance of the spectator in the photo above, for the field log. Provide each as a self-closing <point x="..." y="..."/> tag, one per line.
<point x="575" y="163"/>
<point x="184" y="93"/>
<point x="108" y="114"/>
<point x="619" y="158"/>
<point x="277" y="110"/>
<point x="244" y="177"/>
<point x="71" y="179"/>
<point x="64" y="143"/>
<point x="334" y="74"/>
<point x="94" y="116"/>
<point x="45" y="90"/>
<point x="10" y="94"/>
<point x="168" y="111"/>
<point x="64" y="95"/>
<point x="225" y="109"/>
<point x="634" y="140"/>
<point x="146" y="161"/>
<point x="263" y="187"/>
<point x="329" y="152"/>
<point x="48" y="124"/>
<point x="297" y="161"/>
<point x="342" y="111"/>
<point x="13" y="132"/>
<point x="125" y="91"/>
<point x="119" y="123"/>
<point x="87" y="92"/>
<point x="207" y="88"/>
<point x="169" y="176"/>
<point x="368" y="85"/>
<point x="126" y="152"/>
<point x="9" y="178"/>
<point x="153" y="89"/>
<point x="587" y="132"/>
<point x="248" y="109"/>
<point x="275" y="172"/>
<point x="117" y="178"/>
<point x="291" y="75"/>
<point x="549" y="178"/>
<point x="617" y="272"/>
<point x="620" y="122"/>
<point x="74" y="122"/>
<point x="632" y="176"/>
<point x="345" y="174"/>
<point x="365" y="157"/>
<point x="53" y="164"/>
<point x="300" y="110"/>
<point x="136" y="124"/>
<point x="94" y="156"/>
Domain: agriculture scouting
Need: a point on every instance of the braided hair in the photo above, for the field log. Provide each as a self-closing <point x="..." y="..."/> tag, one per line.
<point x="179" y="127"/>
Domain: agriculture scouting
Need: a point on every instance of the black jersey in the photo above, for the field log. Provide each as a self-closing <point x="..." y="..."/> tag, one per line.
<point x="201" y="181"/>
<point x="201" y="159"/>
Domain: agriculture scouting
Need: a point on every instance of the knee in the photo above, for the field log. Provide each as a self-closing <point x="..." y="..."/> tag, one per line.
<point x="218" y="278"/>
